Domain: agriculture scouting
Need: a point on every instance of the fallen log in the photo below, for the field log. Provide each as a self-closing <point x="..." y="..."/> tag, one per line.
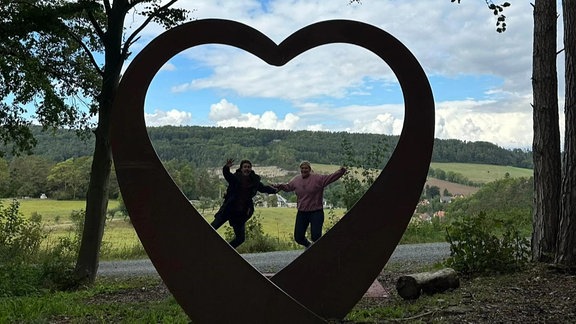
<point x="411" y="286"/>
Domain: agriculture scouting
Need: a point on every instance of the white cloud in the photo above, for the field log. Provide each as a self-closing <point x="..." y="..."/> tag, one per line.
<point x="468" y="122"/>
<point x="381" y="124"/>
<point x="223" y="110"/>
<point x="168" y="67"/>
<point x="448" y="39"/>
<point x="172" y="117"/>
<point x="268" y="120"/>
<point x="330" y="71"/>
<point x="227" y="114"/>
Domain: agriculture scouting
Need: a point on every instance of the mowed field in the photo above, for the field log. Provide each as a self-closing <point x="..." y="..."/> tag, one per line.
<point x="483" y="173"/>
<point x="479" y="173"/>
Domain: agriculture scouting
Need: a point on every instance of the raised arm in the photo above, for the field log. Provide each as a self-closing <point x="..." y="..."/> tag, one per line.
<point x="226" y="171"/>
<point x="328" y="179"/>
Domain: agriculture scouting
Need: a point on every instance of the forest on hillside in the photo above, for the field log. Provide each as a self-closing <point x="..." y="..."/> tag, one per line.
<point x="209" y="146"/>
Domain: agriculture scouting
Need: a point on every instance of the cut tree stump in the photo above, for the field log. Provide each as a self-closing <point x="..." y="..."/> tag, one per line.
<point x="411" y="286"/>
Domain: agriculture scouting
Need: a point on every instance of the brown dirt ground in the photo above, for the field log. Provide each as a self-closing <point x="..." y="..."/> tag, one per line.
<point x="540" y="294"/>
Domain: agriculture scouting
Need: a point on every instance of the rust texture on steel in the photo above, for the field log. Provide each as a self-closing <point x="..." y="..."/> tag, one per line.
<point x="207" y="277"/>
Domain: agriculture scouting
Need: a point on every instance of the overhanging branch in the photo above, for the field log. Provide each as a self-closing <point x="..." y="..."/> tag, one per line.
<point x="133" y="37"/>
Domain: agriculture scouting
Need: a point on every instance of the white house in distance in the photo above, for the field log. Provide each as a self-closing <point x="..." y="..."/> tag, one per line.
<point x="282" y="202"/>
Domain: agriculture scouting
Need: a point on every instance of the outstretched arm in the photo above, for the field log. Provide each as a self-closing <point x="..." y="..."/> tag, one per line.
<point x="287" y="187"/>
<point x="328" y="179"/>
<point x="267" y="189"/>
<point x="226" y="170"/>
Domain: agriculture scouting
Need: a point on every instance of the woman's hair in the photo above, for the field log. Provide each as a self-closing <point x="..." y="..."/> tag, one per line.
<point x="305" y="163"/>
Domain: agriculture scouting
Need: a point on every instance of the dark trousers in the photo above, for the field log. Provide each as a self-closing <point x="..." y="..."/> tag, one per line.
<point x="238" y="227"/>
<point x="304" y="218"/>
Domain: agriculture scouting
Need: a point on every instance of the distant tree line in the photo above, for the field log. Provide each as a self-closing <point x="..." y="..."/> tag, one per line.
<point x="60" y="165"/>
<point x="36" y="175"/>
<point x="209" y="146"/>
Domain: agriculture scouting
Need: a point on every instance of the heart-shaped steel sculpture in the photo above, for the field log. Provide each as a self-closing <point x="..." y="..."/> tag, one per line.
<point x="207" y="277"/>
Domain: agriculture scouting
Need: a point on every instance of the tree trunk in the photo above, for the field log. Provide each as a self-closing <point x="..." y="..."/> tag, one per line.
<point x="410" y="286"/>
<point x="97" y="196"/>
<point x="546" y="142"/>
<point x="96" y="207"/>
<point x="566" y="254"/>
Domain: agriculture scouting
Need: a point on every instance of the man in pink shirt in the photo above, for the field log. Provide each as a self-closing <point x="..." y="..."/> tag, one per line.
<point x="309" y="189"/>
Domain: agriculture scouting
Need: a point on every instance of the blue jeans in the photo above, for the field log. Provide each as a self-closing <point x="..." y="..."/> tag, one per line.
<point x="304" y="218"/>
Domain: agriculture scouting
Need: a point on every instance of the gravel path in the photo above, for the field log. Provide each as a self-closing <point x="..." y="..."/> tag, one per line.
<point x="271" y="262"/>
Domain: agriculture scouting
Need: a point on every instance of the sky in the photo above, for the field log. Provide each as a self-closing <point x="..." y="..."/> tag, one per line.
<point x="480" y="78"/>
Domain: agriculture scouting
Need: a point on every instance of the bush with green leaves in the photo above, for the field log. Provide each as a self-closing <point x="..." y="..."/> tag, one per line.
<point x="20" y="241"/>
<point x="479" y="244"/>
<point x="257" y="240"/>
<point x="26" y="268"/>
<point x="362" y="170"/>
<point x="421" y="231"/>
<point x="20" y="238"/>
<point x="58" y="262"/>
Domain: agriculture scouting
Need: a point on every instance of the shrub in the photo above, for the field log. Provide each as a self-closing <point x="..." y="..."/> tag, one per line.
<point x="20" y="241"/>
<point x="58" y="265"/>
<point x="424" y="232"/>
<point x="257" y="240"/>
<point x="331" y="220"/>
<point x="25" y="268"/>
<point x="19" y="238"/>
<point x="19" y="279"/>
<point x="58" y="262"/>
<point x="362" y="170"/>
<point x="476" y="246"/>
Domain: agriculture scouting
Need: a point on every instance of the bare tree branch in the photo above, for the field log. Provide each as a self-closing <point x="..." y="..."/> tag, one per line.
<point x="133" y="37"/>
<point x="87" y="51"/>
<point x="95" y="24"/>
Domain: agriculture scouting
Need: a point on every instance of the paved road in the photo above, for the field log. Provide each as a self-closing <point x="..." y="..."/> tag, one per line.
<point x="271" y="262"/>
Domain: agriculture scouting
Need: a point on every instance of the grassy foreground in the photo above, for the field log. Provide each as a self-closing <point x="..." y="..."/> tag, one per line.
<point x="110" y="300"/>
<point x="534" y="295"/>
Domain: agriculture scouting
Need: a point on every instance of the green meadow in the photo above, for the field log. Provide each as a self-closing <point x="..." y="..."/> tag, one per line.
<point x="120" y="239"/>
<point x="480" y="173"/>
<point x="483" y="173"/>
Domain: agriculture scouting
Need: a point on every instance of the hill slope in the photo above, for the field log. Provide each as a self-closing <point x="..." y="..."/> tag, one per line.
<point x="210" y="146"/>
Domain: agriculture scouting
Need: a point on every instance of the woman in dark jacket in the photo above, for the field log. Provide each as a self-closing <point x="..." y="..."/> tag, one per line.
<point x="238" y="206"/>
